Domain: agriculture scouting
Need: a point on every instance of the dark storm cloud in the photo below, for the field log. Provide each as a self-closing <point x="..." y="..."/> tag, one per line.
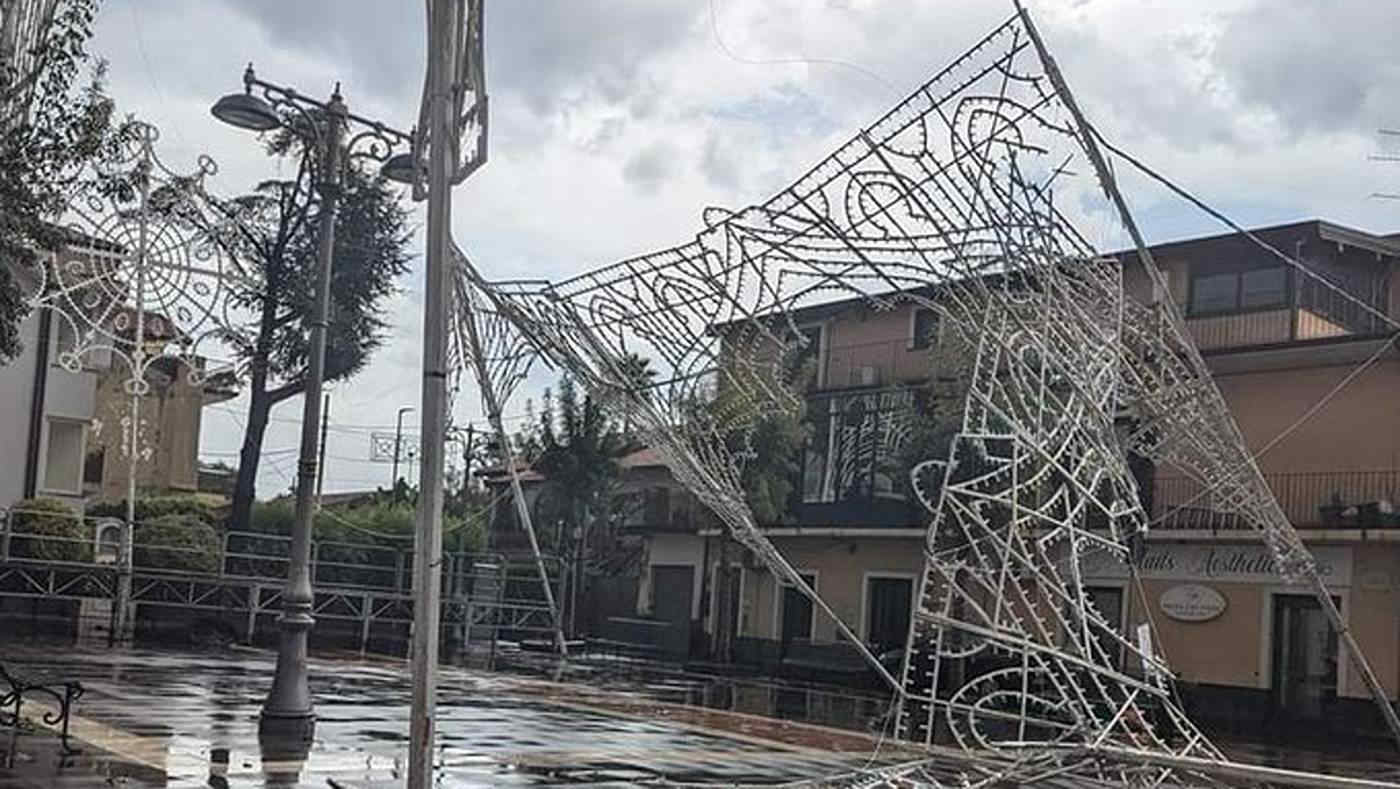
<point x="540" y="50"/>
<point x="1318" y="65"/>
<point x="380" y="43"/>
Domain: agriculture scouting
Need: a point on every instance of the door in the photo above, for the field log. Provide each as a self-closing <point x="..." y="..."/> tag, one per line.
<point x="673" y="588"/>
<point x="1305" y="658"/>
<point x="887" y="613"/>
<point x="1109" y="602"/>
<point x="796" y="614"/>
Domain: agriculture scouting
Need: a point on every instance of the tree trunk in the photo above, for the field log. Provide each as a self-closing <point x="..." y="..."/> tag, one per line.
<point x="259" y="409"/>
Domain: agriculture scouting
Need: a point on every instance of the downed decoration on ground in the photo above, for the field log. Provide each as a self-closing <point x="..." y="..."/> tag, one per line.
<point x="954" y="201"/>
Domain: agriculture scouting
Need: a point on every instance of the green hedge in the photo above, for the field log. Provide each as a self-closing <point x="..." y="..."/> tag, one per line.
<point x="58" y="533"/>
<point x="366" y="538"/>
<point x="176" y="542"/>
<point x="151" y="508"/>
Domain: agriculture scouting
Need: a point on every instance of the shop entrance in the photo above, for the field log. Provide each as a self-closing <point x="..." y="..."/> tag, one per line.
<point x="1304" y="658"/>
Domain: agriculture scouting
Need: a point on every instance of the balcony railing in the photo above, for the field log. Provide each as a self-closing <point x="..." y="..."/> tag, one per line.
<point x="1322" y="499"/>
<point x="1317" y="313"/>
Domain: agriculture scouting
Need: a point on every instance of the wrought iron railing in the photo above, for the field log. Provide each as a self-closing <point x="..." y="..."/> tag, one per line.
<point x="1310" y="499"/>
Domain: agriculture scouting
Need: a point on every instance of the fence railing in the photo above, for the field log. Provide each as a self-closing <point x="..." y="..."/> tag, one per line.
<point x="56" y="538"/>
<point x="1321" y="499"/>
<point x="1283" y="325"/>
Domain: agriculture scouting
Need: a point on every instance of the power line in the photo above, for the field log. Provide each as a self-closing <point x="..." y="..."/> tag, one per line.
<point x="352" y="427"/>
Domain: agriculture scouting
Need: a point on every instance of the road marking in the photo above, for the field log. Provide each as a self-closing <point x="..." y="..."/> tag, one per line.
<point x="145" y="751"/>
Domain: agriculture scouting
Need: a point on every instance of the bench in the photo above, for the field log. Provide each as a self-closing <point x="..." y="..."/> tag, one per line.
<point x="15" y="686"/>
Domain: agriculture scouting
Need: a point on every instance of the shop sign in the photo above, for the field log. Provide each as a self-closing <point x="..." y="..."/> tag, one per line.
<point x="1192" y="603"/>
<point x="1216" y="563"/>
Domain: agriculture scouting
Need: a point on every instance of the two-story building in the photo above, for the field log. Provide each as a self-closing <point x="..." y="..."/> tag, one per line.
<point x="64" y="417"/>
<point x="1310" y="374"/>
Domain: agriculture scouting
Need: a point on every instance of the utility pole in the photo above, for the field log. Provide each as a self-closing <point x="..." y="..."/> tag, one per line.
<point x="443" y="26"/>
<point x="321" y="464"/>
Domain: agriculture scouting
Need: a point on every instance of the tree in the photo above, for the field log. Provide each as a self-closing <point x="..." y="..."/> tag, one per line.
<point x="51" y="124"/>
<point x="638" y="376"/>
<point x="279" y="240"/>
<point x="579" y="447"/>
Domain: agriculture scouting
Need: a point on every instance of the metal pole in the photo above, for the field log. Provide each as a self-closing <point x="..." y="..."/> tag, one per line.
<point x="426" y="566"/>
<point x="133" y="435"/>
<point x="467" y="462"/>
<point x="321" y="457"/>
<point x="398" y="440"/>
<point x="288" y="706"/>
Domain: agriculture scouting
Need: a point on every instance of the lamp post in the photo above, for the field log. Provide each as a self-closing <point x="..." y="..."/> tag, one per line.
<point x="398" y="440"/>
<point x="263" y="107"/>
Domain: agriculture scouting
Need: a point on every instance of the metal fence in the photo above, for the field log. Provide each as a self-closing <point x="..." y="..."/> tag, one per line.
<point x="54" y="538"/>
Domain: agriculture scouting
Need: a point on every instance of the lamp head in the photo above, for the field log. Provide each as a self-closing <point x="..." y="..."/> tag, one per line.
<point x="246" y="111"/>
<point x="401" y="168"/>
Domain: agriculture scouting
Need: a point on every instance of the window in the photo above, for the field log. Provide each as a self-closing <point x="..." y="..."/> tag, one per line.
<point x="1257" y="288"/>
<point x="806" y="360"/>
<point x="888" y="601"/>
<point x="657" y="507"/>
<point x="65" y="339"/>
<point x="816" y="480"/>
<point x="109" y="540"/>
<point x="923" y="329"/>
<point x="63" y="460"/>
<point x="795" y="611"/>
<point x="93" y="466"/>
<point x="853" y="444"/>
<point x="1265" y="287"/>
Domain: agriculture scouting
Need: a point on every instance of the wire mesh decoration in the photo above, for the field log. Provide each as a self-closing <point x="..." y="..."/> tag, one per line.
<point x="955" y="202"/>
<point x="141" y="279"/>
<point x="142" y="275"/>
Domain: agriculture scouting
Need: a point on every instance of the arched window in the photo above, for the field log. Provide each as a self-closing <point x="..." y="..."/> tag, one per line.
<point x="109" y="540"/>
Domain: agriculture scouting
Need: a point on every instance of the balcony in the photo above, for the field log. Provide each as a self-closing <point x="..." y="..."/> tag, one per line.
<point x="1317" y="313"/>
<point x="871" y="364"/>
<point x="1311" y="500"/>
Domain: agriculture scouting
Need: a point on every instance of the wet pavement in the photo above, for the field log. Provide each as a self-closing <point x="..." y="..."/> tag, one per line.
<point x="189" y="719"/>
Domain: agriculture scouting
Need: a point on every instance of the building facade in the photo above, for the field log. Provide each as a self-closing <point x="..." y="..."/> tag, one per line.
<point x="66" y="418"/>
<point x="46" y="412"/>
<point x="1310" y="376"/>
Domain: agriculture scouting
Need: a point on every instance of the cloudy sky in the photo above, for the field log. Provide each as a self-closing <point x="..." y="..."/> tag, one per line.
<point x="615" y="122"/>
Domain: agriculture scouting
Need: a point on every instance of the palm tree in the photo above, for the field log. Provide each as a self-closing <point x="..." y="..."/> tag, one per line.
<point x="579" y="447"/>
<point x="637" y="376"/>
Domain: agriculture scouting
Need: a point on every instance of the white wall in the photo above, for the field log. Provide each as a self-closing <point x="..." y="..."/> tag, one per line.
<point x="16" y="389"/>
<point x="68" y="395"/>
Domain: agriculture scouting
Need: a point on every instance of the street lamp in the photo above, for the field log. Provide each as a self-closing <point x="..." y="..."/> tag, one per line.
<point x="288" y="712"/>
<point x="398" y="439"/>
